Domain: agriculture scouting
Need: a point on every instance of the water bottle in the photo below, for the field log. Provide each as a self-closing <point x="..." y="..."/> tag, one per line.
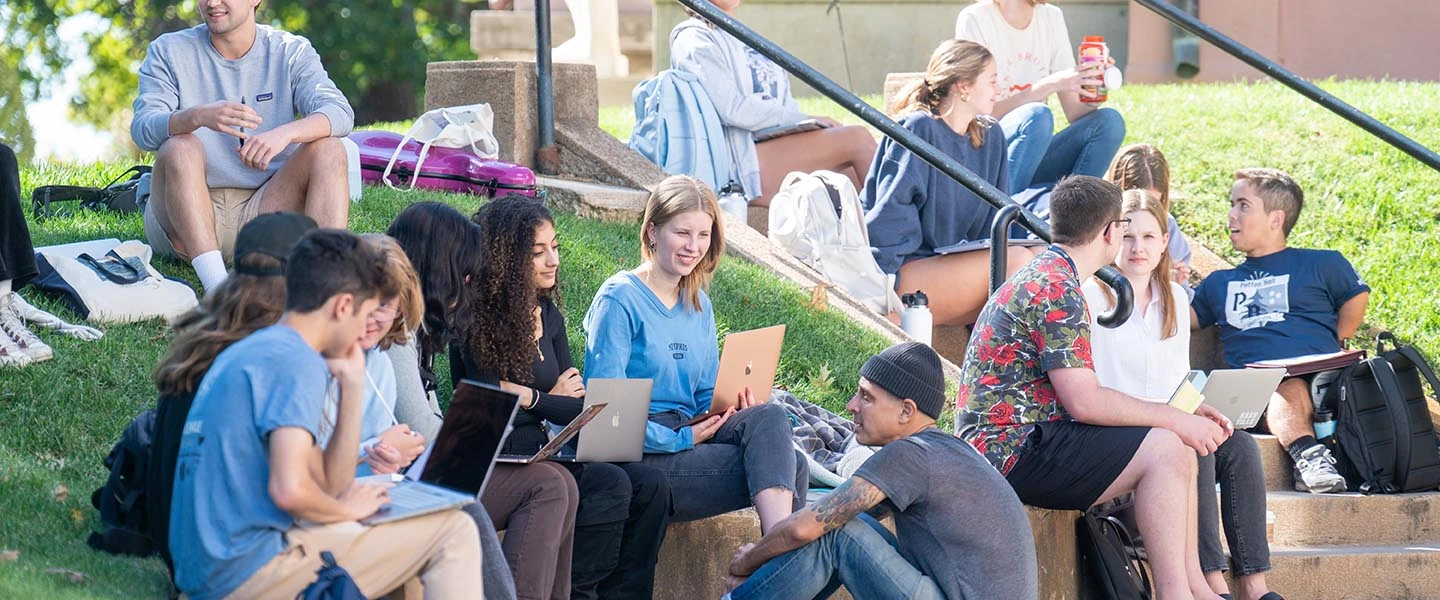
<point x="733" y="201"/>
<point x="1093" y="49"/>
<point x="1324" y="425"/>
<point x="916" y="319"/>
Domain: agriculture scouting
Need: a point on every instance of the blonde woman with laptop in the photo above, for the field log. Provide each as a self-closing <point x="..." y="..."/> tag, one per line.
<point x="1147" y="357"/>
<point x="656" y="322"/>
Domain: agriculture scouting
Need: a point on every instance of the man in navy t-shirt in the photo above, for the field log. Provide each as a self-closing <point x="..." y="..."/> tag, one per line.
<point x="1282" y="302"/>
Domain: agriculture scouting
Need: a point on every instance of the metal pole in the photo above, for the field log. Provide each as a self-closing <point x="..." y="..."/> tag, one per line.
<point x="547" y="155"/>
<point x="999" y="236"/>
<point x="1124" y="297"/>
<point x="875" y="118"/>
<point x="1295" y="82"/>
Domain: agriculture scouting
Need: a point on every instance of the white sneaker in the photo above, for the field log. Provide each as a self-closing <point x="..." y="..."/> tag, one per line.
<point x="1315" y="472"/>
<point x="14" y="327"/>
<point x="11" y="355"/>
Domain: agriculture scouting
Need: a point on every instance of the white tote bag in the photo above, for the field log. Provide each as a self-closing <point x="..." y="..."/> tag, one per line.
<point x="470" y="126"/>
<point x="110" y="282"/>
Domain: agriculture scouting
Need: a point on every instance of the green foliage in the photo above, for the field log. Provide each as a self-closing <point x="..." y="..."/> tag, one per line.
<point x="374" y="50"/>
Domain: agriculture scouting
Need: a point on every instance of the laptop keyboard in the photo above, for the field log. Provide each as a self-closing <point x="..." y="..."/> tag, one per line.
<point x="411" y="496"/>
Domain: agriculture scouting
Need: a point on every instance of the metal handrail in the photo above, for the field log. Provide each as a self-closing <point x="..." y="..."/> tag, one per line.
<point x="1000" y="233"/>
<point x="547" y="158"/>
<point x="929" y="153"/>
<point x="1305" y="88"/>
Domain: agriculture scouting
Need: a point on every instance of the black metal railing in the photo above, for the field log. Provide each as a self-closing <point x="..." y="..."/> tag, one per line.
<point x="1269" y="67"/>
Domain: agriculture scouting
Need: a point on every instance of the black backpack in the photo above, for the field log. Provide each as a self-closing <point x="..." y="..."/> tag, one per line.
<point x="127" y="193"/>
<point x="1385" y="440"/>
<point x="121" y="501"/>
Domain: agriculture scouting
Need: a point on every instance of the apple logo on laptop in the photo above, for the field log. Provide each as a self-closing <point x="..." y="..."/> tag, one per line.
<point x="747" y="367"/>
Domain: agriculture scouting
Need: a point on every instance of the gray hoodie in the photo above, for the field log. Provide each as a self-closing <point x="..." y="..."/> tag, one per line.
<point x="281" y="78"/>
<point x="749" y="91"/>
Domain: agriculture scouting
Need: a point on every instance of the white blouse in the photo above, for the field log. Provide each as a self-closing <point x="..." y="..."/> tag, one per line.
<point x="1132" y="358"/>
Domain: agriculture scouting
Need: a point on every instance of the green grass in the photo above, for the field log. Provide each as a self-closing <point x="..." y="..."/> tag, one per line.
<point x="1377" y="205"/>
<point x="62" y="416"/>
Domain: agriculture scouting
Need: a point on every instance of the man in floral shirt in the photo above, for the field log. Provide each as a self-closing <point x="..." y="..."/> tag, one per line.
<point x="1030" y="403"/>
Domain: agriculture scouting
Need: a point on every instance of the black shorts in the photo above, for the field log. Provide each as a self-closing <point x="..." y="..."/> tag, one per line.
<point x="1065" y="465"/>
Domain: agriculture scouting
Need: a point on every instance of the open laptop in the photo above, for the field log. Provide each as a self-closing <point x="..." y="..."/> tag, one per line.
<point x="455" y="468"/>
<point x="1242" y="395"/>
<point x="618" y="433"/>
<point x="557" y="441"/>
<point x="749" y="359"/>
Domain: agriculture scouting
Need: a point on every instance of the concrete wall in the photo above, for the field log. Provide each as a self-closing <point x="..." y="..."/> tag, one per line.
<point x="882" y="36"/>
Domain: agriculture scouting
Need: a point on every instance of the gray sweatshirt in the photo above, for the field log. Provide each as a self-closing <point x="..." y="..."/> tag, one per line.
<point x="281" y="78"/>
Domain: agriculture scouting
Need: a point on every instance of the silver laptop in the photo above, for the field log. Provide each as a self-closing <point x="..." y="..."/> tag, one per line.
<point x="1241" y="394"/>
<point x="618" y="433"/>
<point x="557" y="442"/>
<point x="455" y="468"/>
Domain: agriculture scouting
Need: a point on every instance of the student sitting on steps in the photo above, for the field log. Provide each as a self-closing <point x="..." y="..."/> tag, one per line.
<point x="1146" y="357"/>
<point x="1282" y="302"/>
<point x="521" y="345"/>
<point x="656" y="322"/>
<point x="249" y="470"/>
<point x="1143" y="167"/>
<point x="1030" y="402"/>
<point x="913" y="210"/>
<point x="960" y="532"/>
<point x="751" y="93"/>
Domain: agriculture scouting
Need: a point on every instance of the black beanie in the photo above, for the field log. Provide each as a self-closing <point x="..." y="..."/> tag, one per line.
<point x="909" y="370"/>
<point x="272" y="234"/>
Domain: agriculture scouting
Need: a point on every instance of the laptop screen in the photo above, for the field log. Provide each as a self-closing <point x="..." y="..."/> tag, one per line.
<point x="475" y="428"/>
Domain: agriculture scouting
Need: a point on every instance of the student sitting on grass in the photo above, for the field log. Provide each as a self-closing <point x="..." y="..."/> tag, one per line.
<point x="1037" y="60"/>
<point x="655" y="322"/>
<point x="249" y="469"/>
<point x="912" y="209"/>
<point x="1031" y="404"/>
<point x="251" y="298"/>
<point x="1146" y="357"/>
<point x="960" y="532"/>
<point x="522" y="346"/>
<point x="1143" y="167"/>
<point x="444" y="250"/>
<point x="1282" y="302"/>
<point x="751" y="93"/>
<point x="388" y="445"/>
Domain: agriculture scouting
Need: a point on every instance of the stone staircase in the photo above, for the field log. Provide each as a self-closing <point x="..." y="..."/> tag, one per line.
<point x="1349" y="546"/>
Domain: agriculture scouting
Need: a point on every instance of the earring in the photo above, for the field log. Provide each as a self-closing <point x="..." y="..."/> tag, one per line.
<point x="964" y="96"/>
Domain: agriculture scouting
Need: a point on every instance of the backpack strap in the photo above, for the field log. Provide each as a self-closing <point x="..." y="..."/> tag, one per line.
<point x="1389" y="385"/>
<point x="1421" y="365"/>
<point x="1123" y="532"/>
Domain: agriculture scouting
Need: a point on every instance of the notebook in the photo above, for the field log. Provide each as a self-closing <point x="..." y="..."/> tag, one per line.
<point x="770" y="133"/>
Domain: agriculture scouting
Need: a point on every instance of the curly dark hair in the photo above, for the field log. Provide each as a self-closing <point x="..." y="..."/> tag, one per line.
<point x="504" y="340"/>
<point x="444" y="248"/>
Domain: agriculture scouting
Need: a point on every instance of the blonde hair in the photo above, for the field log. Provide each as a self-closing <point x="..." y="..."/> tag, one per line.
<point x="954" y="61"/>
<point x="1138" y="200"/>
<point x="673" y="196"/>
<point x="1141" y="167"/>
<point x="404" y="287"/>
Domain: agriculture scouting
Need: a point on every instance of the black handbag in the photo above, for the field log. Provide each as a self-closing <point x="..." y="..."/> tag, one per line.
<point x="1109" y="569"/>
<point x="332" y="583"/>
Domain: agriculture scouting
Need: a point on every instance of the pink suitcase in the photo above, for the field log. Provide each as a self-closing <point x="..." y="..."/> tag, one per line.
<point x="444" y="169"/>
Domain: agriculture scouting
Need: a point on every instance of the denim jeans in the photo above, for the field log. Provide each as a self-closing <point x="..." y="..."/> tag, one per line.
<point x="1236" y="465"/>
<point x="750" y="453"/>
<point x="1038" y="156"/>
<point x="861" y="555"/>
<point x="619" y="527"/>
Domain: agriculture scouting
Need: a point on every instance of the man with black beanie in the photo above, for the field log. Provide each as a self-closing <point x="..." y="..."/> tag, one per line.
<point x="960" y="532"/>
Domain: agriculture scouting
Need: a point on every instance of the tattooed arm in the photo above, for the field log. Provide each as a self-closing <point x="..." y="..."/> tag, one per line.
<point x="831" y="512"/>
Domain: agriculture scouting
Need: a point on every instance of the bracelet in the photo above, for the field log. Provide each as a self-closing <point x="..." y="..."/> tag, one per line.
<point x="534" y="398"/>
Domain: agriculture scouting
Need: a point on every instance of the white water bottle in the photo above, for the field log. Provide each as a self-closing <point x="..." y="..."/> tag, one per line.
<point x="732" y="200"/>
<point x="916" y="319"/>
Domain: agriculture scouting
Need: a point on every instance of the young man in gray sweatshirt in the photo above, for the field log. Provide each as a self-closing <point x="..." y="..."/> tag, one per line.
<point x="243" y="120"/>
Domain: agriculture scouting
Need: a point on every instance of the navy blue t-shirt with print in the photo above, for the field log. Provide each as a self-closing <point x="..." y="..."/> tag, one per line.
<point x="1280" y="305"/>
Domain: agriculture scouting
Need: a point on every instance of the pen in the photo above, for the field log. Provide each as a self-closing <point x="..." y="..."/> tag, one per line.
<point x="242" y="129"/>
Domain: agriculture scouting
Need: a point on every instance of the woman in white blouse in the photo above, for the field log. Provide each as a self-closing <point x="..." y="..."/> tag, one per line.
<point x="1147" y="356"/>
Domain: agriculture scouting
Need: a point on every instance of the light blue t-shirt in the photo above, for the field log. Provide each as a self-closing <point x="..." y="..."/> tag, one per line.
<point x="223" y="524"/>
<point x="630" y="334"/>
<point x="379" y="405"/>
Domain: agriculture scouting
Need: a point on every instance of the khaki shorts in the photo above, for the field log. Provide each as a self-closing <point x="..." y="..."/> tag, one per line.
<point x="234" y="207"/>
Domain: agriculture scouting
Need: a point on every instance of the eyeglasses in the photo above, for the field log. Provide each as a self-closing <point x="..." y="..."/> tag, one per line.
<point x="1124" y="224"/>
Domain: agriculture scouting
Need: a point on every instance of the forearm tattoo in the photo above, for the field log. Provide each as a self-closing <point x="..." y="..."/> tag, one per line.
<point x="847" y="501"/>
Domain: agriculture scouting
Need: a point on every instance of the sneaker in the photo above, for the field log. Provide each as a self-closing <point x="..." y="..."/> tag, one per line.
<point x="11" y="355"/>
<point x="1315" y="472"/>
<point x="15" y="329"/>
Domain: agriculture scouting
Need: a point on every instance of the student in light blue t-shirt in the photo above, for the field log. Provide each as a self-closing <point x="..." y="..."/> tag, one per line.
<point x="249" y="469"/>
<point x="656" y="322"/>
<point x="1282" y="302"/>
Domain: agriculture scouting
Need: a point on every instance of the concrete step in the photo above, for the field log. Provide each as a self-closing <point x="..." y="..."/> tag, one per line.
<point x="1279" y="469"/>
<point x="595" y="200"/>
<point x="1304" y="519"/>
<point x="1398" y="572"/>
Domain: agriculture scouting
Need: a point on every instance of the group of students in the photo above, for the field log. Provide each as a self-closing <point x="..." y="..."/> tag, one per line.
<point x="312" y="360"/>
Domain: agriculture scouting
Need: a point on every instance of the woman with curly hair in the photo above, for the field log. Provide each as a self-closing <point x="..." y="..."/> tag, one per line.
<point x="522" y="346"/>
<point x="656" y="322"/>
<point x="534" y="504"/>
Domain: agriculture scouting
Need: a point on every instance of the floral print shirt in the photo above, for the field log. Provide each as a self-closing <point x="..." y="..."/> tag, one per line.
<point x="1036" y="322"/>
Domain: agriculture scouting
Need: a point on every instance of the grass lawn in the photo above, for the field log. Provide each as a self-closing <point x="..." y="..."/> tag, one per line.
<point x="63" y="415"/>
<point x="1377" y="205"/>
